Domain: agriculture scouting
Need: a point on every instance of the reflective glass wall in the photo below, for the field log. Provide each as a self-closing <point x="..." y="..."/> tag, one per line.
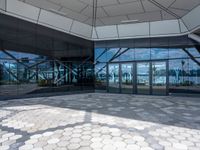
<point x="36" y="59"/>
<point x="24" y="73"/>
<point x="182" y="57"/>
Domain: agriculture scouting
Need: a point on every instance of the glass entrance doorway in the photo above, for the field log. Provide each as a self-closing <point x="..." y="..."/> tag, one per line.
<point x="127" y="78"/>
<point x="113" y="78"/>
<point x="138" y="78"/>
<point x="159" y="78"/>
<point x="143" y="78"/>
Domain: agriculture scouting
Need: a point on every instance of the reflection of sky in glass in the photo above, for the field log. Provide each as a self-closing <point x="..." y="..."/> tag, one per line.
<point x="98" y="52"/>
<point x="128" y="55"/>
<point x="111" y="52"/>
<point x="143" y="68"/>
<point x="193" y="64"/>
<point x="159" y="53"/>
<point x="18" y="55"/>
<point x="178" y="64"/>
<point x="177" y="53"/>
<point x="142" y="53"/>
<point x="2" y="55"/>
<point x="193" y="51"/>
<point x="100" y="68"/>
<point x="8" y="65"/>
<point x="113" y="68"/>
<point x="190" y="73"/>
<point x="127" y="68"/>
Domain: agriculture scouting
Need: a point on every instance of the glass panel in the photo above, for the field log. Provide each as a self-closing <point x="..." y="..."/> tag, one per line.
<point x="3" y="55"/>
<point x="113" y="70"/>
<point x="143" y="86"/>
<point x="195" y="52"/>
<point x="159" y="78"/>
<point x="194" y="76"/>
<point x="159" y="53"/>
<point x="142" y="54"/>
<point x="113" y="54"/>
<point x="177" y="53"/>
<point x="178" y="75"/>
<point x="100" y="55"/>
<point x="9" y="78"/>
<point x="8" y="54"/>
<point x="100" y="74"/>
<point x="127" y="78"/>
<point x="75" y="73"/>
<point x="127" y="54"/>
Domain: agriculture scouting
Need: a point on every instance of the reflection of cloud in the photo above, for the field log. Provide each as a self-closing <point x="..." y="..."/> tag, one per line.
<point x="193" y="51"/>
<point x="177" y="64"/>
<point x="142" y="53"/>
<point x="159" y="53"/>
<point x="177" y="53"/>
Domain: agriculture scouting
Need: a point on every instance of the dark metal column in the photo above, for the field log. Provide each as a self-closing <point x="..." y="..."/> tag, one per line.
<point x="167" y="77"/>
<point x="107" y="76"/>
<point x="150" y="78"/>
<point x="65" y="72"/>
<point x="70" y="73"/>
<point x="120" y="77"/>
<point x="134" y="78"/>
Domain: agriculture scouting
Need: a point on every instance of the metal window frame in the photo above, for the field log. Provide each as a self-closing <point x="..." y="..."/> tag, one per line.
<point x="134" y="84"/>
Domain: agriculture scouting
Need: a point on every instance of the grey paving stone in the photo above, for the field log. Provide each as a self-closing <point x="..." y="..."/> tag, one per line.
<point x="100" y="122"/>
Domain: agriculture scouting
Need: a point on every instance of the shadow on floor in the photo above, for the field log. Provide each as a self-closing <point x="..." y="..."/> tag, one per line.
<point x="167" y="110"/>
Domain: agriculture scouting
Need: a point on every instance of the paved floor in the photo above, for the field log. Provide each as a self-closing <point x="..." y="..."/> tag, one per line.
<point x="100" y="122"/>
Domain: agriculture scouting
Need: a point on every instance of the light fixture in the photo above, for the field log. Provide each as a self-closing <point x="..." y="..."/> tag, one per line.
<point x="129" y="21"/>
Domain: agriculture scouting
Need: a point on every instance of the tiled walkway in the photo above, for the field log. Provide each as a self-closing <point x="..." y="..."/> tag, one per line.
<point x="100" y="122"/>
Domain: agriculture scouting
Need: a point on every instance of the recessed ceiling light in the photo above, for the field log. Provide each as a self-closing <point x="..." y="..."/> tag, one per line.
<point x="129" y="21"/>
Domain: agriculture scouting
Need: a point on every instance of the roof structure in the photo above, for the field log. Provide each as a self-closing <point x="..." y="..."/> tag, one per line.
<point x="109" y="19"/>
<point x="110" y="12"/>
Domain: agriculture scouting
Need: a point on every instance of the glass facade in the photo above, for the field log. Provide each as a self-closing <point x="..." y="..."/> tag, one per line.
<point x="24" y="73"/>
<point x="172" y="64"/>
<point x="35" y="60"/>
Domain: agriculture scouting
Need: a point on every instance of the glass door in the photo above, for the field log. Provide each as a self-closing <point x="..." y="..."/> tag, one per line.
<point x="113" y="78"/>
<point x="159" y="78"/>
<point x="127" y="78"/>
<point x="143" y="78"/>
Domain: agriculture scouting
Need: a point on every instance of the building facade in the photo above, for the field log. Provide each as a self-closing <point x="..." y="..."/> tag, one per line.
<point x="157" y="66"/>
<point x="35" y="59"/>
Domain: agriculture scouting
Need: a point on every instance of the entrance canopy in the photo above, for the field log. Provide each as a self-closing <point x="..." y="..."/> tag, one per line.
<point x="109" y="19"/>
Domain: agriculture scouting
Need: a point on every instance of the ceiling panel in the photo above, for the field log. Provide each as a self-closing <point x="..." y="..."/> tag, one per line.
<point x="185" y="4"/>
<point x="124" y="9"/>
<point x="89" y="12"/>
<point x="113" y="20"/>
<point x="43" y="4"/>
<point x="148" y="6"/>
<point x="72" y="14"/>
<point x="110" y="12"/>
<point x="146" y="17"/>
<point x="165" y="3"/>
<point x="74" y="5"/>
